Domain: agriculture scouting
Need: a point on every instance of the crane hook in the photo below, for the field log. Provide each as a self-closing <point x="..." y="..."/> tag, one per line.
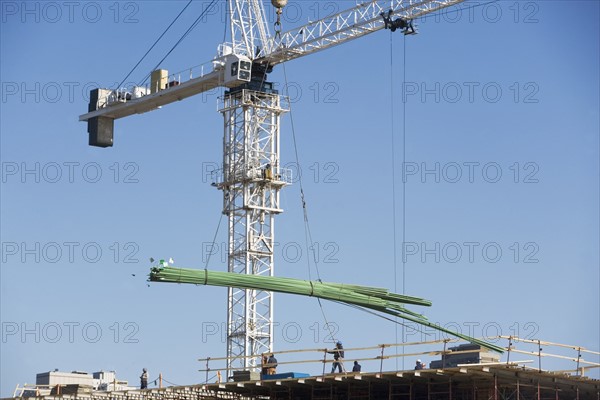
<point x="278" y="4"/>
<point x="278" y="24"/>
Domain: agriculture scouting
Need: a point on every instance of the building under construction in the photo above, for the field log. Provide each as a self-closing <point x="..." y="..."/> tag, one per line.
<point x="463" y="372"/>
<point x="461" y="383"/>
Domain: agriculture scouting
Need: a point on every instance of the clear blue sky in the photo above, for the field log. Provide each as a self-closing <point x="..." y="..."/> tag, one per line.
<point x="502" y="101"/>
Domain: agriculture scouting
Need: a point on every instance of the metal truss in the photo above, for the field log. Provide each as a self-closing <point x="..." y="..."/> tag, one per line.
<point x="250" y="180"/>
<point x="248" y="27"/>
<point x="251" y="37"/>
<point x="344" y="26"/>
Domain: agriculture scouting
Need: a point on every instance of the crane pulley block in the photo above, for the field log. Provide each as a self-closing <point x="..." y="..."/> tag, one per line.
<point x="406" y="25"/>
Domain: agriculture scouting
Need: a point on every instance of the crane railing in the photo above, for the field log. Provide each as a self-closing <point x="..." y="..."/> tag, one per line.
<point x="127" y="94"/>
<point x="274" y="175"/>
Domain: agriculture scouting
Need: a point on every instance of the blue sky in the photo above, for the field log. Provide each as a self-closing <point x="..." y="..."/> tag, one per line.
<point x="501" y="183"/>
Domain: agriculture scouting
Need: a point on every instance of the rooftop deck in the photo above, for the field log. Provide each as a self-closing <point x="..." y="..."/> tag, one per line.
<point x="495" y="380"/>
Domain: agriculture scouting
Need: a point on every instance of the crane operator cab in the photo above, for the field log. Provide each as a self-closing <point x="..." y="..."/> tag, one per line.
<point x="237" y="69"/>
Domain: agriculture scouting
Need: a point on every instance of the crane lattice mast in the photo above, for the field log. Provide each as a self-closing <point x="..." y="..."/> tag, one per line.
<point x="251" y="177"/>
<point x="251" y="181"/>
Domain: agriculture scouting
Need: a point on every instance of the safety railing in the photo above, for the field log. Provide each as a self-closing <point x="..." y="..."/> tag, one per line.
<point x="268" y="99"/>
<point x="32" y="390"/>
<point x="317" y="360"/>
<point x="572" y="357"/>
<point x="127" y="94"/>
<point x="197" y="71"/>
<point x="265" y="174"/>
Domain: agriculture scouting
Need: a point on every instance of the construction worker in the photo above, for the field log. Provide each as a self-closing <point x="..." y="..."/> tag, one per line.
<point x="338" y="355"/>
<point x="265" y="361"/>
<point x="272" y="361"/>
<point x="356" y="367"/>
<point x="144" y="379"/>
<point x="419" y="365"/>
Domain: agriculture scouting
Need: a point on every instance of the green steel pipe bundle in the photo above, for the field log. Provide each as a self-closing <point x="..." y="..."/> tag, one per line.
<point x="376" y="299"/>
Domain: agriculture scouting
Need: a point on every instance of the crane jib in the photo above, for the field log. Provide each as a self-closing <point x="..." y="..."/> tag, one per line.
<point x="231" y="68"/>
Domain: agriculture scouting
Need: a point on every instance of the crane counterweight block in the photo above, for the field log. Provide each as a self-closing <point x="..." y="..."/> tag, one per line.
<point x="100" y="129"/>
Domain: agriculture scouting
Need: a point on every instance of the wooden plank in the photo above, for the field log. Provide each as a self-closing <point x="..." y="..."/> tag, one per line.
<point x="545" y="343"/>
<point x="535" y="353"/>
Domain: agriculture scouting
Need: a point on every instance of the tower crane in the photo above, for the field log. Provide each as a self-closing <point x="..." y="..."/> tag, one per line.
<point x="251" y="176"/>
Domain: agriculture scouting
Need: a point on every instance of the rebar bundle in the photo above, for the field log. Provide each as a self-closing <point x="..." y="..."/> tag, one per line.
<point x="376" y="299"/>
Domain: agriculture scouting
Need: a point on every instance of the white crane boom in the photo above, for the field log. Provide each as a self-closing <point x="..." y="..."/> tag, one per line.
<point x="248" y="27"/>
<point x="342" y="27"/>
<point x="310" y="38"/>
<point x="124" y="108"/>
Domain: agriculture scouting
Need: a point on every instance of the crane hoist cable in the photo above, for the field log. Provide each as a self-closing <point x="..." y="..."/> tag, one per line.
<point x="185" y="34"/>
<point x="395" y="320"/>
<point x="392" y="113"/>
<point x="307" y="231"/>
<point x="154" y="44"/>
<point x="393" y="155"/>
<point x="214" y="241"/>
<point x="403" y="185"/>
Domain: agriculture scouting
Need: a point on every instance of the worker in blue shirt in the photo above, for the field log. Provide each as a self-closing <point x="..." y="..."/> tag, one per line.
<point x="419" y="365"/>
<point x="338" y="354"/>
<point x="272" y="362"/>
